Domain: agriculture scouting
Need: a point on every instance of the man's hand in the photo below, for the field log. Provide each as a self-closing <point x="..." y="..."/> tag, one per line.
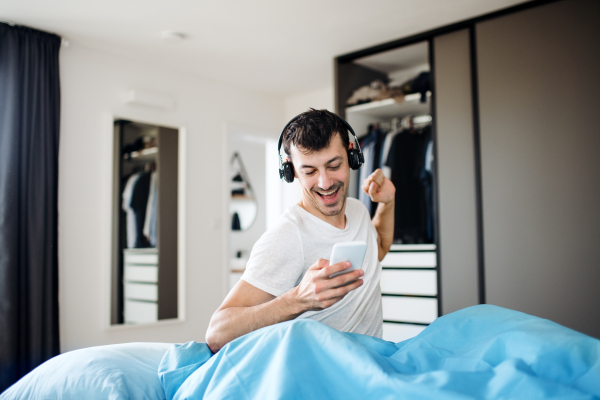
<point x="380" y="188"/>
<point x="317" y="291"/>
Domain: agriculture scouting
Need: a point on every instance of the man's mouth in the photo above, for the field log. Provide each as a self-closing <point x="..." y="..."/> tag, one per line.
<point x="329" y="197"/>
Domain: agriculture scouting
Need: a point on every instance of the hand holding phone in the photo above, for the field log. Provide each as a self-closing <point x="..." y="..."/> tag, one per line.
<point x="348" y="251"/>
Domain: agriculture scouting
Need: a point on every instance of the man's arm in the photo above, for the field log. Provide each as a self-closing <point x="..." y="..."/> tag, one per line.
<point x="382" y="191"/>
<point x="248" y="308"/>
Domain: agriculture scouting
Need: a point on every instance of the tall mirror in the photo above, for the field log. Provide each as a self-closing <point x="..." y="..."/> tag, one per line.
<point x="243" y="206"/>
<point x="145" y="214"/>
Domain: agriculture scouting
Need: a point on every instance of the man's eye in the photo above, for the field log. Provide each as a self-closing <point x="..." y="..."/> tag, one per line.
<point x="309" y="173"/>
<point x="335" y="167"/>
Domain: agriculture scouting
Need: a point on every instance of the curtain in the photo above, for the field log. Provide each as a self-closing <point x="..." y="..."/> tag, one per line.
<point x="29" y="132"/>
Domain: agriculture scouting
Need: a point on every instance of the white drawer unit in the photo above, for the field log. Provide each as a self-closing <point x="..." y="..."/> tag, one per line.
<point x="140" y="312"/>
<point x="399" y="332"/>
<point x="140" y="285"/>
<point x="141" y="256"/>
<point x="141" y="291"/>
<point x="409" y="309"/>
<point x="410" y="259"/>
<point x="141" y="273"/>
<point x="411" y="282"/>
<point x="409" y="288"/>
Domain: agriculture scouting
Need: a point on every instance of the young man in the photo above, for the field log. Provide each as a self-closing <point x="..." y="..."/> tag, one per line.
<point x="287" y="275"/>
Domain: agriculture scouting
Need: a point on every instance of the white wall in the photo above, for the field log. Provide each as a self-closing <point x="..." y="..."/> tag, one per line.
<point x="318" y="99"/>
<point x="92" y="84"/>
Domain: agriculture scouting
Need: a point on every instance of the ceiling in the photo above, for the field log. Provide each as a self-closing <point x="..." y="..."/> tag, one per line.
<point x="273" y="46"/>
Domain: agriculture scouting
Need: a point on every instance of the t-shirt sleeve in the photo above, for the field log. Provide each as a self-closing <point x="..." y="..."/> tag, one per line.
<point x="276" y="262"/>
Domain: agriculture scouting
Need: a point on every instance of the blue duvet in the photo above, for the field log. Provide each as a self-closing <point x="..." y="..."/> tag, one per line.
<point x="482" y="352"/>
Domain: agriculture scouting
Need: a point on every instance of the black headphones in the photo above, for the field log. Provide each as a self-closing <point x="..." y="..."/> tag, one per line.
<point x="355" y="155"/>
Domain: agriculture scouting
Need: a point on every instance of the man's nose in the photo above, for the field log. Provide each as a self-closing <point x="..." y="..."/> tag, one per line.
<point x="325" y="181"/>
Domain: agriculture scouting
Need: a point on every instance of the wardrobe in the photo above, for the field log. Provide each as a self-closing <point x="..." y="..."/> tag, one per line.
<point x="512" y="101"/>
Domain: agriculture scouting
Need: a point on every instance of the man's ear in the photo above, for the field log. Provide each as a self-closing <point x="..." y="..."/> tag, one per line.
<point x="350" y="145"/>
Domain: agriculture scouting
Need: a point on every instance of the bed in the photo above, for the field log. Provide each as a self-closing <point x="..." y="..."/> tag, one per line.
<point x="481" y="352"/>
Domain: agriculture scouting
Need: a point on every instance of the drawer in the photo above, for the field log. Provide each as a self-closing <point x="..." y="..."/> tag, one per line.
<point x="145" y="258"/>
<point x="400" y="332"/>
<point x="395" y="281"/>
<point x="141" y="273"/>
<point x="137" y="312"/>
<point x="410" y="259"/>
<point x="409" y="309"/>
<point x="141" y="291"/>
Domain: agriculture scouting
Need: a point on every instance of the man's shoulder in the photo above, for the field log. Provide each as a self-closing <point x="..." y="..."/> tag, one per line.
<point x="286" y="226"/>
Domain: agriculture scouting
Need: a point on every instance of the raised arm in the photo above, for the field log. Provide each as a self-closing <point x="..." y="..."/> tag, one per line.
<point x="382" y="191"/>
<point x="247" y="308"/>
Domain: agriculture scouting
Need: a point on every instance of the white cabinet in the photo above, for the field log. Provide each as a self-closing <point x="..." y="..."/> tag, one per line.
<point x="140" y="285"/>
<point x="409" y="288"/>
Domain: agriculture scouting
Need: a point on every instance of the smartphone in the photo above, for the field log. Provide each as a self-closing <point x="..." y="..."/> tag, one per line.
<point x="348" y="251"/>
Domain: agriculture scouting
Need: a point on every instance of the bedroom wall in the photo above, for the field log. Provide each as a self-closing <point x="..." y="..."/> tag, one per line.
<point x="92" y="85"/>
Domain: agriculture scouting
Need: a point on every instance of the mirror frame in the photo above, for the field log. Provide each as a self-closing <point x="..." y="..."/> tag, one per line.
<point x="181" y="221"/>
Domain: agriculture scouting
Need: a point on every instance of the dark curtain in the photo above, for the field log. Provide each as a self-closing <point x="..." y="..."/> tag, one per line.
<point x="29" y="131"/>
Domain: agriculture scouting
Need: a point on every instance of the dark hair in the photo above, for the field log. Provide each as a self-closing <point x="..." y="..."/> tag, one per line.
<point x="313" y="130"/>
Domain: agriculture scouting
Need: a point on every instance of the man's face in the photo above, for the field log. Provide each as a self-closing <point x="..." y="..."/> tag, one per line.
<point x="324" y="176"/>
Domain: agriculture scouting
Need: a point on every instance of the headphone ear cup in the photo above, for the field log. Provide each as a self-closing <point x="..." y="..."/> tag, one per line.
<point x="288" y="172"/>
<point x="354" y="159"/>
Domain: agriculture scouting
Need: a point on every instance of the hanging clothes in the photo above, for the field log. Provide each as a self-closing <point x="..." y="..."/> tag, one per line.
<point x="406" y="160"/>
<point x="130" y="214"/>
<point x="368" y="150"/>
<point x="151" y="209"/>
<point x="139" y="202"/>
<point x="371" y="146"/>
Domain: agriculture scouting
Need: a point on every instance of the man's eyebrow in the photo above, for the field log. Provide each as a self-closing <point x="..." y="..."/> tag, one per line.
<point x="334" y="159"/>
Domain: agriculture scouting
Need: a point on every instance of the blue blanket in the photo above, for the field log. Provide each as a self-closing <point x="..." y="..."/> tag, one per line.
<point x="482" y="352"/>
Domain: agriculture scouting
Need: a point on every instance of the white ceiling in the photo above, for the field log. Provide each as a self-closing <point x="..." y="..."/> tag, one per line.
<point x="283" y="47"/>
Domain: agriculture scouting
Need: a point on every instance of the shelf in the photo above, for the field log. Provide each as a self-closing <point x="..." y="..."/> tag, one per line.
<point x="148" y="154"/>
<point x="242" y="198"/>
<point x="413" y="247"/>
<point x="389" y="108"/>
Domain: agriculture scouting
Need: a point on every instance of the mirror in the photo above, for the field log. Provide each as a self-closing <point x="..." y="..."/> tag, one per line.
<point x="243" y="206"/>
<point x="145" y="218"/>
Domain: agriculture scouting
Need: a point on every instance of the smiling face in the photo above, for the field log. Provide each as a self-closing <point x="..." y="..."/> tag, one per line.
<point x="324" y="176"/>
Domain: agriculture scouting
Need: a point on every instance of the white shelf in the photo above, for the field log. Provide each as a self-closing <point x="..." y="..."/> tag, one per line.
<point x="389" y="108"/>
<point x="148" y="154"/>
<point x="413" y="247"/>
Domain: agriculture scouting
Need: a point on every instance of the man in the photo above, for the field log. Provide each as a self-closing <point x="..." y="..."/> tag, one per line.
<point x="287" y="275"/>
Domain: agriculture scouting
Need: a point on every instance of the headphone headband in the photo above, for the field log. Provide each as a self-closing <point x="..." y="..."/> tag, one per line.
<point x="355" y="156"/>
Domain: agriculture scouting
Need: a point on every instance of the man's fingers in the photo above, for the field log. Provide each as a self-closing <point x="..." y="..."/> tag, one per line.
<point x="366" y="184"/>
<point x="373" y="189"/>
<point x="320" y="264"/>
<point x="332" y="269"/>
<point x="378" y="177"/>
<point x="344" y="290"/>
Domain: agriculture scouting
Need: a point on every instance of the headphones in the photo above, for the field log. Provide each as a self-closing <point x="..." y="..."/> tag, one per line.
<point x="355" y="155"/>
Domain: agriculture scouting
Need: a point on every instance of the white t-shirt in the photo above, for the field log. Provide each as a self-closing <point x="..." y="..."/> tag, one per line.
<point x="282" y="255"/>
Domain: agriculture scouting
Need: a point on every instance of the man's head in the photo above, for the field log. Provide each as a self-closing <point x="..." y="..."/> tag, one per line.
<point x="317" y="144"/>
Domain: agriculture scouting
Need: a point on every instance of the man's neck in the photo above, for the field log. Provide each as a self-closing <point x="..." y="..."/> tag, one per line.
<point x="337" y="221"/>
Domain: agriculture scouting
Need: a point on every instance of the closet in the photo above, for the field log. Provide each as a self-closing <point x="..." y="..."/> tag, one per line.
<point x="145" y="176"/>
<point x="513" y="99"/>
<point x="386" y="98"/>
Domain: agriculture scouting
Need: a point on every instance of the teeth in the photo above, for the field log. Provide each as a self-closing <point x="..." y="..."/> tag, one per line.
<point x="328" y="193"/>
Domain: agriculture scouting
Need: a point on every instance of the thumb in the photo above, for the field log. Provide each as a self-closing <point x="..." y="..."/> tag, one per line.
<point x="373" y="187"/>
